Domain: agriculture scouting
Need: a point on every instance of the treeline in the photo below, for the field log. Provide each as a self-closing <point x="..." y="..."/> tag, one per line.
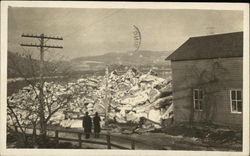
<point x="25" y="66"/>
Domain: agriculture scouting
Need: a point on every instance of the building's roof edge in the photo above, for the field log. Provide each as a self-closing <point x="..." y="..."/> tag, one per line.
<point x="197" y="43"/>
<point x="217" y="34"/>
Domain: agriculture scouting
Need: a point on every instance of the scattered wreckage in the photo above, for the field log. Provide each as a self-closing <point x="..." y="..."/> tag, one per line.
<point x="130" y="97"/>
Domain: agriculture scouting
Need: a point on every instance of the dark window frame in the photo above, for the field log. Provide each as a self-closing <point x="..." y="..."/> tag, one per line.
<point x="198" y="99"/>
<point x="235" y="101"/>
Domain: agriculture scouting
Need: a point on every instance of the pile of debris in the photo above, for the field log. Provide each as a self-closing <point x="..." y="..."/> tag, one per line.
<point x="128" y="97"/>
<point x="136" y="95"/>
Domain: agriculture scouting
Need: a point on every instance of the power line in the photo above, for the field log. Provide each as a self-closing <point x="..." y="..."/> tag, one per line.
<point x="96" y="22"/>
<point x="210" y="30"/>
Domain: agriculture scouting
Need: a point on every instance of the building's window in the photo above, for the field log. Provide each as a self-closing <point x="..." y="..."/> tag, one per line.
<point x="198" y="99"/>
<point x="236" y="101"/>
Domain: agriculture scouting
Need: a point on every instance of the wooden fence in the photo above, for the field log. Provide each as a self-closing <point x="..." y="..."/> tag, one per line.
<point x="106" y="139"/>
<point x="108" y="142"/>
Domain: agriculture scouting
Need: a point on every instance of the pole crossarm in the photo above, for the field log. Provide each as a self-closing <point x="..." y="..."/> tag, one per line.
<point x="45" y="37"/>
<point x="36" y="45"/>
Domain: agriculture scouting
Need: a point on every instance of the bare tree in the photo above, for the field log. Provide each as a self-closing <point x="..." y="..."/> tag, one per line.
<point x="208" y="80"/>
<point x="23" y="106"/>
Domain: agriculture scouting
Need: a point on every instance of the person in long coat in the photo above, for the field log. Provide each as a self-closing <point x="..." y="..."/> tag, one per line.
<point x="87" y="125"/>
<point x="97" y="127"/>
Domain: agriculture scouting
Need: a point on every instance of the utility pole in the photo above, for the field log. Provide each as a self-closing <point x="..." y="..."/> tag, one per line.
<point x="42" y="47"/>
<point x="106" y="96"/>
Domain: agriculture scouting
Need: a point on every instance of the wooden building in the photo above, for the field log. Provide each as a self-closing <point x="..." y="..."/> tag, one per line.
<point x="207" y="74"/>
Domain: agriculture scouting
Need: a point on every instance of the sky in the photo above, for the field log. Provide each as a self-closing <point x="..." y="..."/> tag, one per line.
<point x="88" y="32"/>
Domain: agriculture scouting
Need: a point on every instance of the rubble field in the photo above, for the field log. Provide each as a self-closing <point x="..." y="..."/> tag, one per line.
<point x="138" y="103"/>
<point x="129" y="97"/>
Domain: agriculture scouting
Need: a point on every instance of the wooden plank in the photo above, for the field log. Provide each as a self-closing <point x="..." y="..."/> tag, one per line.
<point x="132" y="144"/>
<point x="89" y="141"/>
<point x="56" y="138"/>
<point x="80" y="139"/>
<point x="108" y="142"/>
<point x="66" y="131"/>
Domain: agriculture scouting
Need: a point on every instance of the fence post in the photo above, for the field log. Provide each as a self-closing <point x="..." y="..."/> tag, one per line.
<point x="80" y="139"/>
<point x="132" y="144"/>
<point x="108" y="142"/>
<point x="56" y="138"/>
<point x="16" y="128"/>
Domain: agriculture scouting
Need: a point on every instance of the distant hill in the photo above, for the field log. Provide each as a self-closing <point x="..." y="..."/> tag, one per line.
<point x="128" y="58"/>
<point x="18" y="64"/>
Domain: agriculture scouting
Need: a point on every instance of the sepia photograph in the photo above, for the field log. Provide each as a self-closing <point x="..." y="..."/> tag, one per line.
<point x="93" y="76"/>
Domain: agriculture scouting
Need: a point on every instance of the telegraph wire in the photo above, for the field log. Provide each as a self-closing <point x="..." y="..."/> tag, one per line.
<point x="96" y="22"/>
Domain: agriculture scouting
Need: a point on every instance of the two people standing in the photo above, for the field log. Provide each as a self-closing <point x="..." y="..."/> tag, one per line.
<point x="87" y="125"/>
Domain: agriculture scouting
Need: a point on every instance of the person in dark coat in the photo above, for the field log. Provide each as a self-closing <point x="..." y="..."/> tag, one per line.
<point x="87" y="125"/>
<point x="97" y="127"/>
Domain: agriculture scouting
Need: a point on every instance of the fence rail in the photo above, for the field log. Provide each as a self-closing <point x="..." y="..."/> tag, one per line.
<point x="108" y="142"/>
